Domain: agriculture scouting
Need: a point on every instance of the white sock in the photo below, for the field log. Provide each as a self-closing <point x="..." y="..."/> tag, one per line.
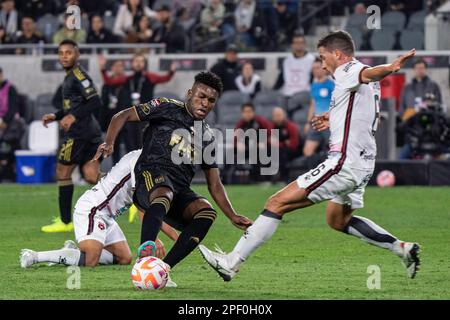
<point x="370" y="232"/>
<point x="69" y="257"/>
<point x="106" y="257"/>
<point x="262" y="230"/>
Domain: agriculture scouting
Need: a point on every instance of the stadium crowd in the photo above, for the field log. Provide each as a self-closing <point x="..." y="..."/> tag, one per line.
<point x="302" y="87"/>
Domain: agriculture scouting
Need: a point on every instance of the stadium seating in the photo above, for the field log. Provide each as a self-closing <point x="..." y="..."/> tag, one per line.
<point x="394" y="20"/>
<point x="268" y="99"/>
<point x="411" y="39"/>
<point x="228" y="108"/>
<point x="48" y="25"/>
<point x="383" y="39"/>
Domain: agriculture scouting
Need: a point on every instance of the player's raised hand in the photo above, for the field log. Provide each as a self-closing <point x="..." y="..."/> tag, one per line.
<point x="241" y="222"/>
<point x="101" y="61"/>
<point x="47" y="118"/>
<point x="103" y="149"/>
<point x="398" y="63"/>
<point x="321" y="122"/>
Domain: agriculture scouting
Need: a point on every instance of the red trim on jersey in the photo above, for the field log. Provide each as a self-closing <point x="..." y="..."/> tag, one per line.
<point x="340" y="163"/>
<point x="360" y="75"/>
<point x="105" y="203"/>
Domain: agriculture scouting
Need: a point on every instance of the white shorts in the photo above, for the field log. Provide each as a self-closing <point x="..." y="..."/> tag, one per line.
<point x="95" y="225"/>
<point x="332" y="181"/>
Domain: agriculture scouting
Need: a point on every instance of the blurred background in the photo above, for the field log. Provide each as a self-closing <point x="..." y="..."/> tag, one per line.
<point x="265" y="53"/>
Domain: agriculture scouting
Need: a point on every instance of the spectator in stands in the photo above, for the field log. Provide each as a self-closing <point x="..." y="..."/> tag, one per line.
<point x="77" y="35"/>
<point x="98" y="33"/>
<point x="110" y="105"/>
<point x="228" y="69"/>
<point x="11" y="128"/>
<point x="415" y="91"/>
<point x="187" y="12"/>
<point x="136" y="88"/>
<point x="128" y="17"/>
<point x="170" y="31"/>
<point x="248" y="82"/>
<point x="211" y="18"/>
<point x="9" y="17"/>
<point x="243" y="17"/>
<point x="102" y="6"/>
<point x="143" y="34"/>
<point x="286" y="22"/>
<point x="288" y="141"/>
<point x="321" y="90"/>
<point x="251" y="121"/>
<point x="28" y="34"/>
<point x="5" y="39"/>
<point x="36" y="8"/>
<point x="295" y="73"/>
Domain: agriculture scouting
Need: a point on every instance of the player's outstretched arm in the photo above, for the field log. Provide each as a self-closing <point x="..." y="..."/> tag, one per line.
<point x="379" y="72"/>
<point x="116" y="124"/>
<point x="217" y="191"/>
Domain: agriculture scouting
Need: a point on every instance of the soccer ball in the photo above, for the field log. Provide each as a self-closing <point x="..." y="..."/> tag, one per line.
<point x="385" y="179"/>
<point x="149" y="273"/>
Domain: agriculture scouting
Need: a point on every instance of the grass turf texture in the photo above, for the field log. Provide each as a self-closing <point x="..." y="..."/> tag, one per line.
<point x="304" y="260"/>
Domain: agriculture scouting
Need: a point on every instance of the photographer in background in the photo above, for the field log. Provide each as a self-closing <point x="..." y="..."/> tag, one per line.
<point x="427" y="132"/>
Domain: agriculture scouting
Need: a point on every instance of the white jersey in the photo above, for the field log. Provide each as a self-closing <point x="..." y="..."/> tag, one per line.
<point x="354" y="116"/>
<point x="297" y="74"/>
<point x="113" y="194"/>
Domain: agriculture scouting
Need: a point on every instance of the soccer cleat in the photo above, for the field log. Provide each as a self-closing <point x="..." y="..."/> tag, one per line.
<point x="219" y="262"/>
<point x="148" y="248"/>
<point x="28" y="258"/>
<point x="58" y="226"/>
<point x="410" y="257"/>
<point x="132" y="213"/>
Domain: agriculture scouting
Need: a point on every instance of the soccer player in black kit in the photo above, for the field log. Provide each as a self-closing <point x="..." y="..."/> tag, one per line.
<point x="163" y="187"/>
<point x="82" y="134"/>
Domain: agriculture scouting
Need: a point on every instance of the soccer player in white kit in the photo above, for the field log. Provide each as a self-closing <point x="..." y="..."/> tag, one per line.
<point x="101" y="241"/>
<point x="352" y="119"/>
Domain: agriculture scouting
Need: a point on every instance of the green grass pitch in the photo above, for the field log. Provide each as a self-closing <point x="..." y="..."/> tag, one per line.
<point x="304" y="260"/>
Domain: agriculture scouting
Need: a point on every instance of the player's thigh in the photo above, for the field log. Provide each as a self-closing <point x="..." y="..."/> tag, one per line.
<point x="91" y="170"/>
<point x="64" y="171"/>
<point x="289" y="198"/>
<point x="338" y="215"/>
<point x="151" y="184"/>
<point x="92" y="250"/>
<point x="310" y="147"/>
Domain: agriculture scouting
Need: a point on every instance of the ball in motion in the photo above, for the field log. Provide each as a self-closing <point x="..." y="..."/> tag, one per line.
<point x="386" y="179"/>
<point x="149" y="273"/>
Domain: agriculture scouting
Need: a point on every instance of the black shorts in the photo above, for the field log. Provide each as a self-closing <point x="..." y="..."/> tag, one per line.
<point x="153" y="178"/>
<point x="77" y="151"/>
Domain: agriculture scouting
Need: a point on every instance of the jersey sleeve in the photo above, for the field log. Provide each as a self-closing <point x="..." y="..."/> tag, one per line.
<point x="153" y="109"/>
<point x="84" y="84"/>
<point x="350" y="76"/>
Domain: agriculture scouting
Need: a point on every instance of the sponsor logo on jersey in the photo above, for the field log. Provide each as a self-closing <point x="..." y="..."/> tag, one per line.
<point x="366" y="156"/>
<point x="349" y="65"/>
<point x="86" y="83"/>
<point x="101" y="226"/>
<point x="145" y="108"/>
<point x="155" y="102"/>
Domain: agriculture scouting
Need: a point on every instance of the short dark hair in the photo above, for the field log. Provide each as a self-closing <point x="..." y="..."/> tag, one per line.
<point x="340" y="40"/>
<point x="248" y="105"/>
<point x="69" y="42"/>
<point x="420" y="61"/>
<point x="297" y="34"/>
<point x="210" y="79"/>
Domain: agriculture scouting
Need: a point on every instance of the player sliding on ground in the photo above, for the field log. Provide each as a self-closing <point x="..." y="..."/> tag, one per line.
<point x="352" y="119"/>
<point x="99" y="236"/>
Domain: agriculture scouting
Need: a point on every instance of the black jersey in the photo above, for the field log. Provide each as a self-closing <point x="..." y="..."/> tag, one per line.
<point x="77" y="91"/>
<point x="173" y="133"/>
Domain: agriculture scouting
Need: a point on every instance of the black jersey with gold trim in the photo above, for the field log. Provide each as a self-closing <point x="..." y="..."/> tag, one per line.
<point x="174" y="141"/>
<point x="78" y="91"/>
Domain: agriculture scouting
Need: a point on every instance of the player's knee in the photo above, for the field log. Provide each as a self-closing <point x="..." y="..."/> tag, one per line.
<point x="91" y="260"/>
<point x="124" y="260"/>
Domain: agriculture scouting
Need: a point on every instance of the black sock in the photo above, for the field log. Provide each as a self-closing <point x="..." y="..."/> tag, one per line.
<point x="153" y="218"/>
<point x="191" y="236"/>
<point x="82" y="260"/>
<point x="65" y="201"/>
